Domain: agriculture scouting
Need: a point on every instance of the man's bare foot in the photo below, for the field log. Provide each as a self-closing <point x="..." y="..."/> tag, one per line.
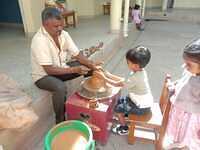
<point x="177" y="146"/>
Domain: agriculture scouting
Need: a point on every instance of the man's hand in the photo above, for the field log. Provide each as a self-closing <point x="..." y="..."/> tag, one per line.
<point x="99" y="74"/>
<point x="97" y="65"/>
<point x="81" y="70"/>
<point x="90" y="64"/>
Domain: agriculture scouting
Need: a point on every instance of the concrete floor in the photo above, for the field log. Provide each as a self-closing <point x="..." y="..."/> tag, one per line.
<point x="165" y="39"/>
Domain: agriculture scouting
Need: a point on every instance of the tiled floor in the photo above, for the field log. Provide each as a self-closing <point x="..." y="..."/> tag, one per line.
<point x="165" y="39"/>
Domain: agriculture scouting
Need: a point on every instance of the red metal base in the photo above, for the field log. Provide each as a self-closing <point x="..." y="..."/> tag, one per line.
<point x="77" y="107"/>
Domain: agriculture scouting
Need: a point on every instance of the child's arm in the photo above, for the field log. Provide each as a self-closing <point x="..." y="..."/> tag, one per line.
<point x="109" y="78"/>
<point x="113" y="77"/>
<point x="170" y="85"/>
<point x="139" y="15"/>
<point x="116" y="80"/>
<point x="132" y="14"/>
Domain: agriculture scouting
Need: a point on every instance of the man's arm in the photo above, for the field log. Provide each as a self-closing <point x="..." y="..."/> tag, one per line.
<point x="89" y="63"/>
<point x="51" y="70"/>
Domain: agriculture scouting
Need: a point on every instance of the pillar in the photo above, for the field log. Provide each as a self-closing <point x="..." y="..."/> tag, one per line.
<point x="126" y="15"/>
<point x="164" y="5"/>
<point x="115" y="15"/>
<point x="143" y="8"/>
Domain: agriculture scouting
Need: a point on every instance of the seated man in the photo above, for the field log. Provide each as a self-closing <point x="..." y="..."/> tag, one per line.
<point x="51" y="49"/>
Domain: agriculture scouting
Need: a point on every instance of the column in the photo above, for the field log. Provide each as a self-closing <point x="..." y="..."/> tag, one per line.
<point x="28" y="19"/>
<point x="164" y="5"/>
<point x="126" y="15"/>
<point x="143" y="8"/>
<point x="115" y="15"/>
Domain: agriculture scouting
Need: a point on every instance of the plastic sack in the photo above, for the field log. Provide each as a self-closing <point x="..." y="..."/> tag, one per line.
<point x="15" y="109"/>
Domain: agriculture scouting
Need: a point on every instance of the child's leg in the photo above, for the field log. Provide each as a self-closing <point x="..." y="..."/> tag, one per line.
<point x="137" y="26"/>
<point x="140" y="26"/>
<point x="122" y="128"/>
<point x="134" y="109"/>
<point x="120" y="109"/>
<point x="121" y="119"/>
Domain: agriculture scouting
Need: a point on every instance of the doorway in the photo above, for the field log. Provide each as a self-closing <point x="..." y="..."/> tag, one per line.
<point x="10" y="15"/>
<point x="170" y="4"/>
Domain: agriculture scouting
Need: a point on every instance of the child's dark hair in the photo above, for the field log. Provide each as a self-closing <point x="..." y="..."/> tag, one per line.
<point x="137" y="6"/>
<point x="139" y="55"/>
<point x="192" y="51"/>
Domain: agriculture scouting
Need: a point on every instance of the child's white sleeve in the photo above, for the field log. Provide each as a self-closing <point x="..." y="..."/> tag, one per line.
<point x="129" y="82"/>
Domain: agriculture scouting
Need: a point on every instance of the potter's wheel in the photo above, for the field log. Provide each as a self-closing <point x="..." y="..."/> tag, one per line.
<point x="103" y="91"/>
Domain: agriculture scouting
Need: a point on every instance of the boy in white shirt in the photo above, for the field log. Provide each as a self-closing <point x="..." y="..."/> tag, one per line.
<point x="139" y="99"/>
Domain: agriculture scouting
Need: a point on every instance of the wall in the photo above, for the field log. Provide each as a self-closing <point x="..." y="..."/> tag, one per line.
<point x="84" y="8"/>
<point x="99" y="7"/>
<point x="36" y="7"/>
<point x="31" y="9"/>
<point x="10" y="12"/>
<point x="153" y="3"/>
<point x="187" y="4"/>
<point x="94" y="7"/>
<point x="31" y="12"/>
<point x="71" y="4"/>
<point x="177" y="3"/>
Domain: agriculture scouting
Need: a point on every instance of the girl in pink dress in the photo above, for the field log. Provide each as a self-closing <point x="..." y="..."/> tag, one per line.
<point x="183" y="130"/>
<point x="136" y="16"/>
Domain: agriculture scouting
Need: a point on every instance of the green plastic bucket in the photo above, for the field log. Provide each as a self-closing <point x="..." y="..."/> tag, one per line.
<point x="66" y="126"/>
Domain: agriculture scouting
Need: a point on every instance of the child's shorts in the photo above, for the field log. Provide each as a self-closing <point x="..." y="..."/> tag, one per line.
<point x="126" y="106"/>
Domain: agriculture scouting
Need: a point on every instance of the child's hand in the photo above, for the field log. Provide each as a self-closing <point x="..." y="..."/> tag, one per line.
<point x="99" y="74"/>
<point x="120" y="84"/>
<point x="168" y="78"/>
<point x="169" y="84"/>
<point x="113" y="77"/>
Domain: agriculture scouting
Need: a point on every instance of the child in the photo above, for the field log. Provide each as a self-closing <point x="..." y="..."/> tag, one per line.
<point x="137" y="17"/>
<point x="183" y="128"/>
<point x="59" y="4"/>
<point x="139" y="99"/>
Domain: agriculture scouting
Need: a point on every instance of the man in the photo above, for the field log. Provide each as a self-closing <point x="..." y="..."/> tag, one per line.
<point x="51" y="49"/>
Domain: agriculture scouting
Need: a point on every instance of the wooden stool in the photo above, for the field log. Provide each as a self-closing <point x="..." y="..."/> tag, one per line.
<point x="69" y="13"/>
<point x="151" y="127"/>
<point x="106" y="9"/>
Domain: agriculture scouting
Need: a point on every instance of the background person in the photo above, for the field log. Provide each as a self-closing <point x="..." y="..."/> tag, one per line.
<point x="183" y="129"/>
<point x="136" y="16"/>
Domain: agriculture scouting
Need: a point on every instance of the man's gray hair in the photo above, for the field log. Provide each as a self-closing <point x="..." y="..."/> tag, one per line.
<point x="51" y="13"/>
